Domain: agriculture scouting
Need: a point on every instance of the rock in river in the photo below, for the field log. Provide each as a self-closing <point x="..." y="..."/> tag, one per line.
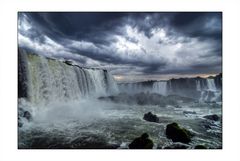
<point x="150" y="117"/>
<point x="142" y="142"/>
<point x="177" y="134"/>
<point x="212" y="117"/>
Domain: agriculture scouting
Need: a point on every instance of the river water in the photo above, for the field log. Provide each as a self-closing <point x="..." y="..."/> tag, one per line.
<point x="91" y="123"/>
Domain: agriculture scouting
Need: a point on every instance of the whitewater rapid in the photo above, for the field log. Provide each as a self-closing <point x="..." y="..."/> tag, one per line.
<point x="98" y="124"/>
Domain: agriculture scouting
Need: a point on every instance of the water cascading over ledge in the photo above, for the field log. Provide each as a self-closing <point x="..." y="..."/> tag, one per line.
<point x="159" y="87"/>
<point x="202" y="89"/>
<point x="42" y="80"/>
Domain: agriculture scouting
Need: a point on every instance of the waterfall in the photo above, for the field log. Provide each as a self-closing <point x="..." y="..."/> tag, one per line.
<point x="44" y="80"/>
<point x="170" y="85"/>
<point x="211" y="85"/>
<point x="134" y="88"/>
<point x="198" y="85"/>
<point x="211" y="93"/>
<point x="160" y="87"/>
<point x="203" y="89"/>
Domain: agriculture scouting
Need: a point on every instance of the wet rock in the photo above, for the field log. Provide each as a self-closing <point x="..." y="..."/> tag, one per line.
<point x="142" y="142"/>
<point x="200" y="147"/>
<point x="177" y="146"/>
<point x="212" y="117"/>
<point x="27" y="115"/>
<point x="150" y="117"/>
<point x="177" y="134"/>
<point x="23" y="114"/>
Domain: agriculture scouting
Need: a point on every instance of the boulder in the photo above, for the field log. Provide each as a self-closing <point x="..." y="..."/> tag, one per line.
<point x="212" y="117"/>
<point x="150" y="117"/>
<point x="177" y="134"/>
<point x="142" y="142"/>
<point x="23" y="114"/>
<point x="27" y="115"/>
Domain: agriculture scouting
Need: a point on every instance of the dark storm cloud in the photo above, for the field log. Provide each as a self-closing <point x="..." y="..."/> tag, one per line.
<point x="198" y="24"/>
<point x="93" y="27"/>
<point x="148" y="43"/>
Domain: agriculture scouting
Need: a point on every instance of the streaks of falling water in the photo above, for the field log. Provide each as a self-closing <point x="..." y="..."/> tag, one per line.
<point x="211" y="85"/>
<point x="51" y="80"/>
<point x="160" y="87"/>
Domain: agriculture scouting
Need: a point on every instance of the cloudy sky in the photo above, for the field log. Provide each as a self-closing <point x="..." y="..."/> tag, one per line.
<point x="132" y="46"/>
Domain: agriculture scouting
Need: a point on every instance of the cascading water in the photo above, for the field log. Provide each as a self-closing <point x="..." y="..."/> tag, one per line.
<point x="160" y="87"/>
<point x="198" y="85"/>
<point x="133" y="88"/>
<point x="211" y="85"/>
<point x="197" y="88"/>
<point x="210" y="93"/>
<point x="48" y="80"/>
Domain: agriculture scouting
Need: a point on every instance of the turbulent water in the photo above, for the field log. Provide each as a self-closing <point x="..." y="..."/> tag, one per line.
<point x="94" y="124"/>
<point x="65" y="112"/>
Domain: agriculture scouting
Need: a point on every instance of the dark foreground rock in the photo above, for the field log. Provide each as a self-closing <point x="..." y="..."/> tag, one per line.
<point x="177" y="134"/>
<point x="142" y="142"/>
<point x="212" y="117"/>
<point x="27" y="115"/>
<point x="150" y="117"/>
<point x="23" y="114"/>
